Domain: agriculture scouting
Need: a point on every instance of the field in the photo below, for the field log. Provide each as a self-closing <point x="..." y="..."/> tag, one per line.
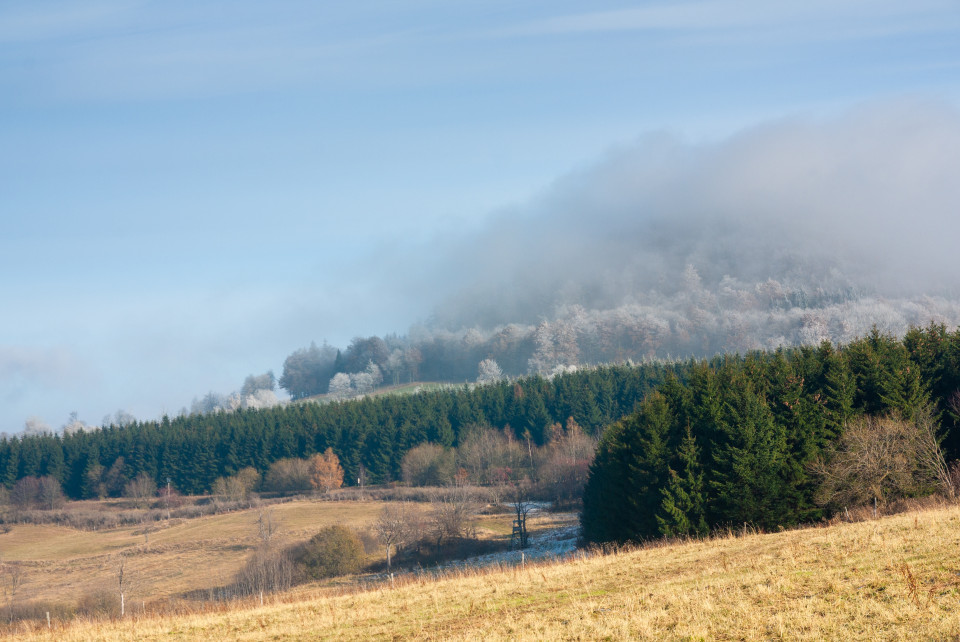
<point x="893" y="578"/>
<point x="63" y="564"/>
<point x="394" y="389"/>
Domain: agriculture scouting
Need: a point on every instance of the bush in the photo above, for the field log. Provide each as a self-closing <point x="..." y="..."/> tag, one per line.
<point x="267" y="570"/>
<point x="32" y="492"/>
<point x="428" y="465"/>
<point x="288" y="475"/>
<point x="99" y="604"/>
<point x="334" y="551"/>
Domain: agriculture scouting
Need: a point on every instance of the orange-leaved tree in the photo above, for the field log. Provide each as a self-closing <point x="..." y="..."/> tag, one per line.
<point x="325" y="471"/>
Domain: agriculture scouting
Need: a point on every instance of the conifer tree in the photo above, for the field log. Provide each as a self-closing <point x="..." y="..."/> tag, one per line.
<point x="683" y="508"/>
<point x="622" y="495"/>
<point x="751" y="468"/>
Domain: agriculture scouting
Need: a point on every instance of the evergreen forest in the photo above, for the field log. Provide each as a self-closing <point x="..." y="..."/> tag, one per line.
<point x="685" y="447"/>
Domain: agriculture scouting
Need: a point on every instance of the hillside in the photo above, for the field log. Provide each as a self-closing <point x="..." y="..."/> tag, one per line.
<point x="63" y="564"/>
<point x="894" y="578"/>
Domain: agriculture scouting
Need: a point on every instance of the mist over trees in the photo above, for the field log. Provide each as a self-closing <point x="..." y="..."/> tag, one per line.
<point x="697" y="318"/>
<point x="788" y="234"/>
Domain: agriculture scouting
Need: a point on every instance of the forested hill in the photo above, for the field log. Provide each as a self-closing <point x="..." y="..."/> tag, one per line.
<point x="808" y="394"/>
<point x="778" y="439"/>
<point x="374" y="432"/>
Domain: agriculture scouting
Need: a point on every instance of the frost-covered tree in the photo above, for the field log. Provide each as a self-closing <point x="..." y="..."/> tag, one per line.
<point x="262" y="398"/>
<point x="75" y="424"/>
<point x="37" y="426"/>
<point x="341" y="387"/>
<point x="488" y="371"/>
<point x="252" y="384"/>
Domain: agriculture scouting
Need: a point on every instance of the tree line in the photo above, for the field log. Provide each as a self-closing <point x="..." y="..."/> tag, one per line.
<point x="774" y="439"/>
<point x="690" y="315"/>
<point x="374" y="433"/>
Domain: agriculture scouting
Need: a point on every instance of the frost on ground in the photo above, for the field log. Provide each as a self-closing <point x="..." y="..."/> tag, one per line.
<point x="552" y="543"/>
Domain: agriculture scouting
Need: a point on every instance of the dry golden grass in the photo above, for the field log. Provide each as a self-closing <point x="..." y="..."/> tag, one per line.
<point x="895" y="578"/>
<point x="63" y="564"/>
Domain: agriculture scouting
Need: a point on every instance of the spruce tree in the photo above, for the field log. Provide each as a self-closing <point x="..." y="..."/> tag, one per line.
<point x="683" y="508"/>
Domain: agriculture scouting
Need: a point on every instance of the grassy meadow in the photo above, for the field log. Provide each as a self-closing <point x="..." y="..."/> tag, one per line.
<point x="170" y="559"/>
<point x="63" y="564"/>
<point x="897" y="577"/>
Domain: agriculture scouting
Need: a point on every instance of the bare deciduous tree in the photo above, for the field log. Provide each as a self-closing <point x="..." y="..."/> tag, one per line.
<point x="930" y="457"/>
<point x="521" y="499"/>
<point x="565" y="462"/>
<point x="126" y="580"/>
<point x="36" y="492"/>
<point x="881" y="458"/>
<point x="451" y="511"/>
<point x="49" y="494"/>
<point x="488" y="454"/>
<point x="238" y="487"/>
<point x="141" y="489"/>
<point x="396" y="527"/>
<point x="13" y="579"/>
<point x="267" y="526"/>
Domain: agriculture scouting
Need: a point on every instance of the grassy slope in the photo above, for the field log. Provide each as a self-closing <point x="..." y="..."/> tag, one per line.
<point x="62" y="564"/>
<point x="400" y="389"/>
<point x="895" y="578"/>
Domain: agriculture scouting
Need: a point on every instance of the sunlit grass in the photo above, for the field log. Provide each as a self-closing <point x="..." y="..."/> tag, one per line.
<point x="63" y="564"/>
<point x="895" y="578"/>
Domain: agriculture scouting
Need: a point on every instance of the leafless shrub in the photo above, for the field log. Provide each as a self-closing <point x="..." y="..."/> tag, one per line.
<point x="100" y="603"/>
<point x="288" y="475"/>
<point x="140" y="489"/>
<point x="236" y="488"/>
<point x="450" y="513"/>
<point x="266" y="571"/>
<point x="423" y="494"/>
<point x="428" y="465"/>
<point x="491" y="456"/>
<point x="881" y="459"/>
<point x="37" y="610"/>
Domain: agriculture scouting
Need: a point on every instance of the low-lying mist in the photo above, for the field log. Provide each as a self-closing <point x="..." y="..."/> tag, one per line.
<point x="790" y="233"/>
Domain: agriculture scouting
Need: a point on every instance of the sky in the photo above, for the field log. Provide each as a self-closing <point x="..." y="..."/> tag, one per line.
<point x="189" y="191"/>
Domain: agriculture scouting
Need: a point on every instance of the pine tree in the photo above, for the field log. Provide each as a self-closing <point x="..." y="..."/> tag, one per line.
<point x="683" y="509"/>
<point x="751" y="468"/>
<point x="622" y="495"/>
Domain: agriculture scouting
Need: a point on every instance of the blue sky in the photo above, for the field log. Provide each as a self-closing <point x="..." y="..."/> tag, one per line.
<point x="189" y="191"/>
